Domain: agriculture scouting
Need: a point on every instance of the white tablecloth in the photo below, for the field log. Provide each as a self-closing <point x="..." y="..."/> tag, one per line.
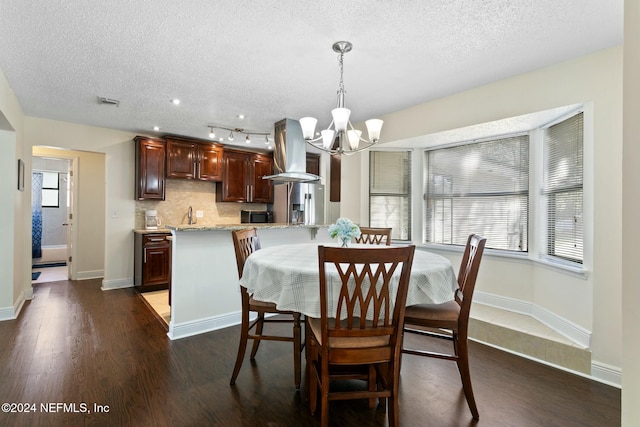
<point x="287" y="275"/>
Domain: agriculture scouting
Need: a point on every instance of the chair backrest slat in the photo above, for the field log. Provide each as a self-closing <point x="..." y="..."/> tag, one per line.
<point x="374" y="236"/>
<point x="245" y="242"/>
<point x="468" y="272"/>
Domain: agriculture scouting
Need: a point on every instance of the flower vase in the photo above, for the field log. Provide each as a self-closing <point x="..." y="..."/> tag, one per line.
<point x="345" y="241"/>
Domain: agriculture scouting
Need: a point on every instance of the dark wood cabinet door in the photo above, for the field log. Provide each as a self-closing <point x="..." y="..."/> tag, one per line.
<point x="156" y="265"/>
<point x="150" y="168"/>
<point x="313" y="163"/>
<point x="152" y="261"/>
<point x="209" y="162"/>
<point x="181" y="159"/>
<point x="262" y="189"/>
<point x="235" y="173"/>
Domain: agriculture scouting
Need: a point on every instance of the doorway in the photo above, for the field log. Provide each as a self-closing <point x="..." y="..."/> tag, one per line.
<point x="52" y="207"/>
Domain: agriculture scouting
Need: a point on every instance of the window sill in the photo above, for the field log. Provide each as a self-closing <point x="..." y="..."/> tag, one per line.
<point x="559" y="266"/>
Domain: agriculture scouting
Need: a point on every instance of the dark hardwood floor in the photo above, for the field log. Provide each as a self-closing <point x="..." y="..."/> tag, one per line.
<point x="75" y="344"/>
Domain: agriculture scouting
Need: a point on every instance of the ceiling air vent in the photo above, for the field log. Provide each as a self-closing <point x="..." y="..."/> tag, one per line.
<point x="108" y="101"/>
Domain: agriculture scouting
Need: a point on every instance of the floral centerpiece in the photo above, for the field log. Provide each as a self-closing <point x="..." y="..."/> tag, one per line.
<point x="344" y="229"/>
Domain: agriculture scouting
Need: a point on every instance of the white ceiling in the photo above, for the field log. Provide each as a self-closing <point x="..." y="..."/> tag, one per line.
<point x="272" y="59"/>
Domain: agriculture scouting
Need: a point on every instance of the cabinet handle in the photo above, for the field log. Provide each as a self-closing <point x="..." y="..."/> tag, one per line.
<point x="156" y="240"/>
<point x="145" y="257"/>
<point x="248" y="193"/>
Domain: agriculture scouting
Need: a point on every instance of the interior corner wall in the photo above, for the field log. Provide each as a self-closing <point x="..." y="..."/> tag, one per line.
<point x="15" y="280"/>
<point x="594" y="78"/>
<point x="8" y="185"/>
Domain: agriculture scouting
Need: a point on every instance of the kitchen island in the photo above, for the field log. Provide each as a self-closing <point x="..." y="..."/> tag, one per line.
<point x="205" y="293"/>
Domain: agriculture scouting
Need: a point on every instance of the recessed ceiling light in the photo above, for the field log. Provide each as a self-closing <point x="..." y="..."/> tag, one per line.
<point x="241" y="116"/>
<point x="156" y="128"/>
<point x="175" y="101"/>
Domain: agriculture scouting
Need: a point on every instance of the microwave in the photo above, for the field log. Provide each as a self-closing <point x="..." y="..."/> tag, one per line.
<point x="256" y="217"/>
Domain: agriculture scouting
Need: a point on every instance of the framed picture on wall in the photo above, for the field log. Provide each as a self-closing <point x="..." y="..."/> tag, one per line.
<point x="20" y="175"/>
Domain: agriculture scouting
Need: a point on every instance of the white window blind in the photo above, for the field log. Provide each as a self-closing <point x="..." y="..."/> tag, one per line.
<point x="390" y="192"/>
<point x="479" y="188"/>
<point x="563" y="191"/>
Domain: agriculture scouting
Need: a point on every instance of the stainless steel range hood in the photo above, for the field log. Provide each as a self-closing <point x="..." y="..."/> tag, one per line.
<point x="290" y="156"/>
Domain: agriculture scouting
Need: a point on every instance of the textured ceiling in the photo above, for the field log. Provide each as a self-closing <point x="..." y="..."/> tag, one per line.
<point x="272" y="59"/>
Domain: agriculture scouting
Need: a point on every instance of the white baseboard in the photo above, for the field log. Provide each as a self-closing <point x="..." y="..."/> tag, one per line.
<point x="607" y="374"/>
<point x="200" y="326"/>
<point x="570" y="330"/>
<point x="86" y="275"/>
<point x="214" y="323"/>
<point x="12" y="313"/>
<point x="108" y="285"/>
<point x="7" y="313"/>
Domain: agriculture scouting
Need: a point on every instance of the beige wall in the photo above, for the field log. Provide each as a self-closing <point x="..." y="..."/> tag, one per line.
<point x="631" y="226"/>
<point x="592" y="303"/>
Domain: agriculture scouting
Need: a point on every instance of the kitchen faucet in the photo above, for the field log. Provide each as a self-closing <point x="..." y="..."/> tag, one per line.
<point x="190" y="216"/>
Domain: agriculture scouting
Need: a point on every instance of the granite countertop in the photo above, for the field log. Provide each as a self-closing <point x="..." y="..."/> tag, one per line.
<point x="213" y="227"/>
<point x="145" y="231"/>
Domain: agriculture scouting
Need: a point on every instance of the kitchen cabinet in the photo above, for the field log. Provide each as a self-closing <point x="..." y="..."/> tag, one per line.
<point x="313" y="163"/>
<point x="152" y="261"/>
<point x="242" y="177"/>
<point x="150" y="168"/>
<point x="192" y="159"/>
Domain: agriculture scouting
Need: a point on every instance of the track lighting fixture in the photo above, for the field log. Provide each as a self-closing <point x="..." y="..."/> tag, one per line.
<point x="247" y="133"/>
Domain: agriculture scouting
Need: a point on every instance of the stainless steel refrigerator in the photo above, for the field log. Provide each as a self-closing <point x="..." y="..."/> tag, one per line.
<point x="299" y="203"/>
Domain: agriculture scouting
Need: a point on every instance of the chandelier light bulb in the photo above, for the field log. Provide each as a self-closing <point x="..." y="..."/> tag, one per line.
<point x="308" y="125"/>
<point x="354" y="138"/>
<point x="247" y="140"/>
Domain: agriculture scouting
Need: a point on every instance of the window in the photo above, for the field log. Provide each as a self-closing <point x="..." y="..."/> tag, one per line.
<point x="50" y="190"/>
<point x="479" y="188"/>
<point x="562" y="189"/>
<point x="390" y="192"/>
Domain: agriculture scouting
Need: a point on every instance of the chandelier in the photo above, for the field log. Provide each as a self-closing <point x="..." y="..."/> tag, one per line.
<point x="231" y="137"/>
<point x="340" y="137"/>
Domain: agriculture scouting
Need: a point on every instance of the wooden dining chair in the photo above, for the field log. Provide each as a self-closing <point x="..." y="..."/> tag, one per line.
<point x="245" y="243"/>
<point x="362" y="338"/>
<point x="375" y="236"/>
<point x="452" y="316"/>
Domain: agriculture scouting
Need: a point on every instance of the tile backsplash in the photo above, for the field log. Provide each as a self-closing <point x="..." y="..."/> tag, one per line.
<point x="201" y="196"/>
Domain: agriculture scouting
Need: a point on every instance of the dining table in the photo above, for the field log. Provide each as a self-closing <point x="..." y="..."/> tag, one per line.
<point x="288" y="275"/>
